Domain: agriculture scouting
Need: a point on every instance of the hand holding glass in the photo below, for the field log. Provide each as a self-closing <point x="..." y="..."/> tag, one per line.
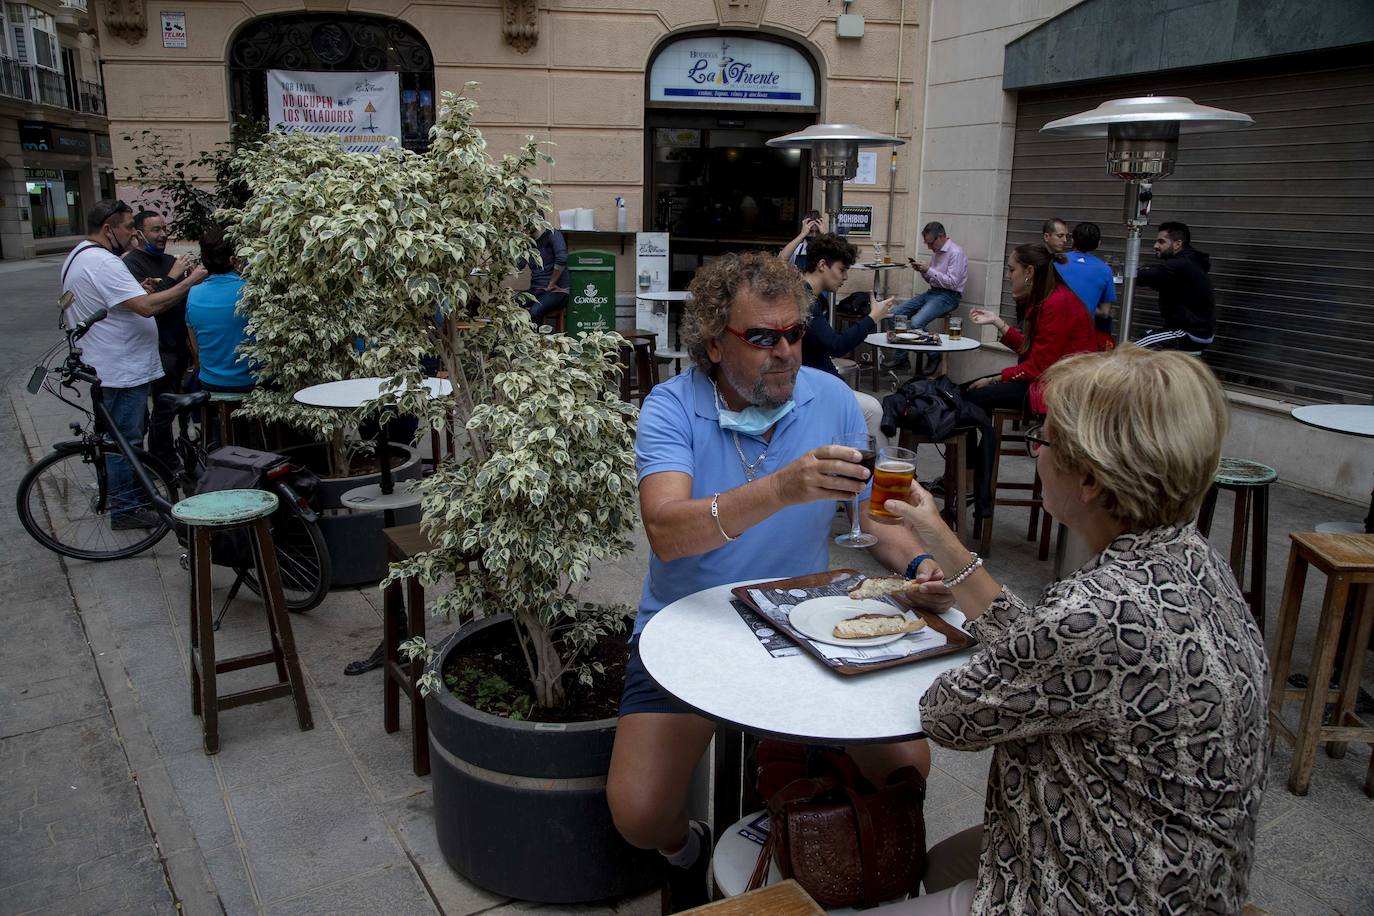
<point x="863" y="443"/>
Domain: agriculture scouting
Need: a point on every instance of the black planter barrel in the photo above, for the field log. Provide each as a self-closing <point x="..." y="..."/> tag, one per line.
<point x="354" y="537"/>
<point x="520" y="807"/>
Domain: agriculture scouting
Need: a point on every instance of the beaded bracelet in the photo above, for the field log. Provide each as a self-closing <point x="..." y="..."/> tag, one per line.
<point x="715" y="514"/>
<point x="967" y="571"/>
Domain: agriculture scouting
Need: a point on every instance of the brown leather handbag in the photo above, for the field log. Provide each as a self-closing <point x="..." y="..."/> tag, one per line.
<point x="847" y="847"/>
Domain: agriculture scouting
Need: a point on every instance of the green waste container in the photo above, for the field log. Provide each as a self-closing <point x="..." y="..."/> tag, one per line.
<point x="591" y="291"/>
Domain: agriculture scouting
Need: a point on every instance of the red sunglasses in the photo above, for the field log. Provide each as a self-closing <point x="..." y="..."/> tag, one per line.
<point x="767" y="338"/>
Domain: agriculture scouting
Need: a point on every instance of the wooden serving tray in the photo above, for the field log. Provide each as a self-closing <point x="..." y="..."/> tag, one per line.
<point x="957" y="639"/>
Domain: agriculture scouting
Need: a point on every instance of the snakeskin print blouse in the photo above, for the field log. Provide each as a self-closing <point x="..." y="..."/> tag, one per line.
<point x="1128" y="715"/>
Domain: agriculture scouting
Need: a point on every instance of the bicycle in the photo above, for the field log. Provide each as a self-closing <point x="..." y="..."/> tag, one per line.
<point x="66" y="503"/>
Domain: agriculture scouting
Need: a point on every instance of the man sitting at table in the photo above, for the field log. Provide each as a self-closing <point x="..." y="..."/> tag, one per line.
<point x="736" y="482"/>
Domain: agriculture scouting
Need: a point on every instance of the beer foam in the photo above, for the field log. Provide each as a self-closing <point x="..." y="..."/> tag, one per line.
<point x="896" y="467"/>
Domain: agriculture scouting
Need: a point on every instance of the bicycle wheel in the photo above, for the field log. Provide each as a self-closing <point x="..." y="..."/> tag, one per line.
<point x="63" y="502"/>
<point x="302" y="559"/>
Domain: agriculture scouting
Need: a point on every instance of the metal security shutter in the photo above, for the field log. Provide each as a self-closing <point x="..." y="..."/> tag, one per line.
<point x="1285" y="209"/>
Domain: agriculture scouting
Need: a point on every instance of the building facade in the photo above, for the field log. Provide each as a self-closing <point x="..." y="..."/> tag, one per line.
<point x="668" y="105"/>
<point x="55" y="155"/>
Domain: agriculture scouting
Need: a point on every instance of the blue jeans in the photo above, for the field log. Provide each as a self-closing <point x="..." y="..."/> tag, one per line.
<point x="928" y="306"/>
<point x="128" y="409"/>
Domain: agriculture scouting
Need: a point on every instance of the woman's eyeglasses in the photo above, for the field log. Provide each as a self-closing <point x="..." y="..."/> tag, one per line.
<point x="767" y="338"/>
<point x="1035" y="440"/>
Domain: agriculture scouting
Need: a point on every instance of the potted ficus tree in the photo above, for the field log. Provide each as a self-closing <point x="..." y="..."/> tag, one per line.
<point x="318" y="295"/>
<point x="418" y="249"/>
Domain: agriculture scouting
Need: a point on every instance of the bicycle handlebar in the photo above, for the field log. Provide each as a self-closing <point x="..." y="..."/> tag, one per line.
<point x="80" y="330"/>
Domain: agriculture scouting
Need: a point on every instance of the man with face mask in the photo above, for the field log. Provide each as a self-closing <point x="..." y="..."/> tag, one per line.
<point x="123" y="348"/>
<point x="733" y="486"/>
<point x="149" y="261"/>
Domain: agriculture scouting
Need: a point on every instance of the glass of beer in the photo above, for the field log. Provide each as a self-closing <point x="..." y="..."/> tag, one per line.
<point x="956" y="328"/>
<point x="892" y="476"/>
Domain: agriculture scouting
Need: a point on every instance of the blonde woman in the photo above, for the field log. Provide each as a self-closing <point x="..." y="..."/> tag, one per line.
<point x="1126" y="706"/>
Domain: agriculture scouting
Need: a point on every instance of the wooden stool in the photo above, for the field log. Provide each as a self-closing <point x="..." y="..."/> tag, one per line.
<point x="1014" y="445"/>
<point x="224" y="510"/>
<point x="643" y="347"/>
<point x="222" y="404"/>
<point x="398" y="676"/>
<point x="1250" y="481"/>
<point x="787" y="898"/>
<point x="956" y="476"/>
<point x="1347" y="610"/>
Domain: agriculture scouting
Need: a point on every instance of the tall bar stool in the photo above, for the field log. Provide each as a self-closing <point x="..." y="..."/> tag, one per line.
<point x="1250" y="481"/>
<point x="957" y="478"/>
<point x="1347" y="619"/>
<point x="221" y="511"/>
<point x="1013" y="444"/>
<point x="222" y="405"/>
<point x="641" y="347"/>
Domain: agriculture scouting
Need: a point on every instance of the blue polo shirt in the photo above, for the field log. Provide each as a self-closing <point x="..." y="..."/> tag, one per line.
<point x="679" y="431"/>
<point x="211" y="311"/>
<point x="1089" y="277"/>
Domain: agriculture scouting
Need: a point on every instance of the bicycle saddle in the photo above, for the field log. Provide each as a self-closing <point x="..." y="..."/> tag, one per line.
<point x="183" y="402"/>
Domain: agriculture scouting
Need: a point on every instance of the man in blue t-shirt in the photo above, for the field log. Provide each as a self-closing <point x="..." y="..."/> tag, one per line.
<point x="216" y="327"/>
<point x="1087" y="275"/>
<point x="733" y="486"/>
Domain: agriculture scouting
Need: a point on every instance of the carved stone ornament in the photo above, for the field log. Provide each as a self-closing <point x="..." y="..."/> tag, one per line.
<point x="520" y="23"/>
<point x="126" y="19"/>
<point x="740" y="12"/>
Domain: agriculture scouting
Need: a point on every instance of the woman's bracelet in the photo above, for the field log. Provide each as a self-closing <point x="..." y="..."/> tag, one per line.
<point x="915" y="564"/>
<point x="967" y="571"/>
<point x="715" y="514"/>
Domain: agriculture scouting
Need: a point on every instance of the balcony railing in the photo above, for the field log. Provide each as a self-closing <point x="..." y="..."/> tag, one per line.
<point x="75" y="5"/>
<point x="46" y="87"/>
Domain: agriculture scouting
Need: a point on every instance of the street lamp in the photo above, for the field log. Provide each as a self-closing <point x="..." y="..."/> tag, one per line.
<point x="1142" y="146"/>
<point x="834" y="156"/>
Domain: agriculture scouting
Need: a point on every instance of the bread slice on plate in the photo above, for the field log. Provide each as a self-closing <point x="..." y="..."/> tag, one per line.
<point x="866" y="626"/>
<point x="884" y="586"/>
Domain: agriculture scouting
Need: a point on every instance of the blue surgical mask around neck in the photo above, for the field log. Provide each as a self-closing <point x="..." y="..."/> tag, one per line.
<point x="752" y="420"/>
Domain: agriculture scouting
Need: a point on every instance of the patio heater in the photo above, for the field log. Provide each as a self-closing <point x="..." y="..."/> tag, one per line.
<point x="834" y="156"/>
<point x="1142" y="147"/>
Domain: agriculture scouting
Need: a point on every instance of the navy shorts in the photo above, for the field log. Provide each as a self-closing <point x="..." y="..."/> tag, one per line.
<point x="642" y="693"/>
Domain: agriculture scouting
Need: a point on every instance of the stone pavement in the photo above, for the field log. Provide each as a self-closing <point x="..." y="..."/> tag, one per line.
<point x="108" y="803"/>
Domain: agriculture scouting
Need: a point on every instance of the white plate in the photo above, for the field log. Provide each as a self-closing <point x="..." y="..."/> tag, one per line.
<point x="817" y="617"/>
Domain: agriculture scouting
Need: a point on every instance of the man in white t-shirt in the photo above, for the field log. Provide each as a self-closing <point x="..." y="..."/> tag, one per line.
<point x="122" y="348"/>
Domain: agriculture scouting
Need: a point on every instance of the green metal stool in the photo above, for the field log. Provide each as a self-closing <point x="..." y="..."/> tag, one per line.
<point x="223" y="510"/>
<point x="1250" y="481"/>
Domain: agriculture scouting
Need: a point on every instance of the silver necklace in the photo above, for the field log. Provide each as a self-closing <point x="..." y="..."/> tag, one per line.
<point x="750" y="468"/>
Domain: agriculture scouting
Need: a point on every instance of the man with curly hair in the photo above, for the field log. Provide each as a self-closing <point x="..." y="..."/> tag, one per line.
<point x="732" y="485"/>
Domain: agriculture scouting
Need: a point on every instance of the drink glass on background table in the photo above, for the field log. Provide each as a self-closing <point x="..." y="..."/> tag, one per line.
<point x="855" y="537"/>
<point x="956" y="328"/>
<point x="901" y="323"/>
<point x="892" y="476"/>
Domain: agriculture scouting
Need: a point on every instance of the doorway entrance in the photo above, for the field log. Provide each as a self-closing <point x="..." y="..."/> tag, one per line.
<point x="712" y="182"/>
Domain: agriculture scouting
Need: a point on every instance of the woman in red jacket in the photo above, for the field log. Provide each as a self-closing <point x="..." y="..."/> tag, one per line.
<point x="1057" y="324"/>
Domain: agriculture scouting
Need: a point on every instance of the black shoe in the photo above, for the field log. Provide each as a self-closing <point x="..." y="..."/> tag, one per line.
<point x="140" y="519"/>
<point x="364" y="665"/>
<point x="899" y="364"/>
<point x="685" y="887"/>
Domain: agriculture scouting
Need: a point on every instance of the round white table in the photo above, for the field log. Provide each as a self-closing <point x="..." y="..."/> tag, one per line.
<point x="702" y="652"/>
<point x="667" y="328"/>
<point x="353" y="393"/>
<point x="947" y="344"/>
<point x="1349" y="420"/>
<point x="878" y="269"/>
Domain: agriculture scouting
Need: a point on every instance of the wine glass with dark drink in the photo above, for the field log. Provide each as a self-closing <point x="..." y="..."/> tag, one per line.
<point x="868" y="450"/>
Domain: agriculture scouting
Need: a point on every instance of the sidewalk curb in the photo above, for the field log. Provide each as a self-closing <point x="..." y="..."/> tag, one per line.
<point x="184" y="861"/>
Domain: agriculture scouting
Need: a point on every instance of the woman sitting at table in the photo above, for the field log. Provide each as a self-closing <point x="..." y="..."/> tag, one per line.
<point x="1056" y="325"/>
<point x="828" y="259"/>
<point x="1127" y="706"/>
<point x="215" y="325"/>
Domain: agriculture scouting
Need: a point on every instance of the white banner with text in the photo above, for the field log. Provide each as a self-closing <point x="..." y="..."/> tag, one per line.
<point x="363" y="110"/>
